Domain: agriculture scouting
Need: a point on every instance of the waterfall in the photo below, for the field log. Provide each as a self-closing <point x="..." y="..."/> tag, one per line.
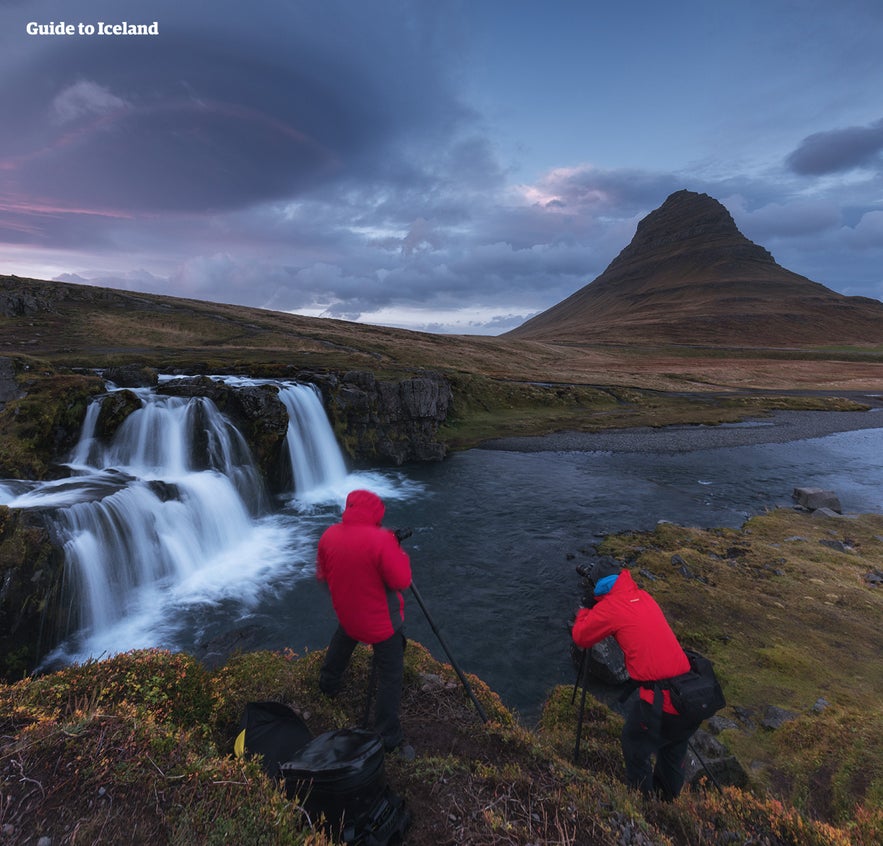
<point x="316" y="460"/>
<point x="142" y="538"/>
<point x="173" y="511"/>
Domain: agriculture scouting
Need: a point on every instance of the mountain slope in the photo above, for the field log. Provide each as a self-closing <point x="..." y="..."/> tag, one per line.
<point x="690" y="276"/>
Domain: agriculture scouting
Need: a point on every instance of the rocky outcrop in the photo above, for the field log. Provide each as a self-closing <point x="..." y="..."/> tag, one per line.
<point x="386" y="421"/>
<point x="376" y="421"/>
<point x="9" y="387"/>
<point x="31" y="568"/>
<point x="41" y="417"/>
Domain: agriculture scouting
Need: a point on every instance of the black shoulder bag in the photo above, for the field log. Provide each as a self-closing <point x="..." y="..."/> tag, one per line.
<point x="697" y="694"/>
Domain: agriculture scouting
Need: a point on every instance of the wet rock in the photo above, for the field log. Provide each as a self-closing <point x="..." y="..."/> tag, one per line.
<point x="874" y="578"/>
<point x="605" y="662"/>
<point x="826" y="512"/>
<point x="216" y="651"/>
<point x="31" y="575"/>
<point x="115" y="408"/>
<point x="132" y="375"/>
<point x="745" y="716"/>
<point x="717" y="724"/>
<point x="837" y="545"/>
<point x="708" y="758"/>
<point x="683" y="568"/>
<point x="388" y="421"/>
<point x="9" y="387"/>
<point x="815" y="498"/>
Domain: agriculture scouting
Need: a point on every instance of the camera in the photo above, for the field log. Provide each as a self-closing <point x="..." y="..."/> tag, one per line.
<point x="604" y="566"/>
<point x="402" y="534"/>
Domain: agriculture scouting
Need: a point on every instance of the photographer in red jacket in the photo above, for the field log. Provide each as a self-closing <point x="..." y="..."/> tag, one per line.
<point x="366" y="569"/>
<point x="652" y="653"/>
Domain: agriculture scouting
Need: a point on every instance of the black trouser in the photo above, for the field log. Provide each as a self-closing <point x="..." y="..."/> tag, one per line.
<point x="389" y="660"/>
<point x="666" y="736"/>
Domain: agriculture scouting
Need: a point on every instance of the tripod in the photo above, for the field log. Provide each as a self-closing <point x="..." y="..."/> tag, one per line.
<point x="372" y="681"/>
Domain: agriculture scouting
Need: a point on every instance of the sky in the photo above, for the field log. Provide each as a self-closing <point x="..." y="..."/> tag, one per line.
<point x="437" y="165"/>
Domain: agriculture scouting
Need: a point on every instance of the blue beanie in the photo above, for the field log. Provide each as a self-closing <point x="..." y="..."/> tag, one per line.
<point x="604" y="585"/>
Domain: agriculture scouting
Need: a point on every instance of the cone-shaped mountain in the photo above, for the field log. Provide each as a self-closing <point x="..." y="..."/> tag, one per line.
<point x="689" y="276"/>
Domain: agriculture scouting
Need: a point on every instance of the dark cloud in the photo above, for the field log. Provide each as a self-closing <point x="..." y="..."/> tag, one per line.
<point x="838" y="150"/>
<point x="206" y="118"/>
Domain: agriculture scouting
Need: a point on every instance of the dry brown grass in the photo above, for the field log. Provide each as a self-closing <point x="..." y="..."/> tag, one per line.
<point x="83" y="326"/>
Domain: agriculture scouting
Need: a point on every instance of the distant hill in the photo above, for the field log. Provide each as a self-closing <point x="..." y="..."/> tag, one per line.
<point x="689" y="276"/>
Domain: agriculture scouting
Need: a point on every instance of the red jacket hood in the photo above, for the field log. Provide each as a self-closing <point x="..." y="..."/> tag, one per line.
<point x="364" y="507"/>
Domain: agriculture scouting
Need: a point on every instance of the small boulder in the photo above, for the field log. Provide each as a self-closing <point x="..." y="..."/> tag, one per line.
<point x="775" y="717"/>
<point x="814" y="498"/>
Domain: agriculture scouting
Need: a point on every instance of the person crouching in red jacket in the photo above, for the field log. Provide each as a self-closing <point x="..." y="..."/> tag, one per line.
<point x="366" y="569"/>
<point x="652" y="653"/>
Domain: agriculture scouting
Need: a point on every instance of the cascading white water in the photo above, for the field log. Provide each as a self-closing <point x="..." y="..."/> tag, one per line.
<point x="123" y="547"/>
<point x="174" y="500"/>
<point x="316" y="460"/>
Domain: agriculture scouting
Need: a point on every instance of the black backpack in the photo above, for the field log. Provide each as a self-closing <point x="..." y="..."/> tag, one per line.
<point x="272" y="731"/>
<point x="340" y="777"/>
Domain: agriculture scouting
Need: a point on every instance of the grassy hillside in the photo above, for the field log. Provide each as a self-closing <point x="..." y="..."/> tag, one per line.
<point x="502" y="386"/>
<point x="81" y="326"/>
<point x="138" y="748"/>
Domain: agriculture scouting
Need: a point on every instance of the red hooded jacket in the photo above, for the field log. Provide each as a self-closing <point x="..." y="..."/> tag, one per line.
<point x="365" y="568"/>
<point x="631" y="615"/>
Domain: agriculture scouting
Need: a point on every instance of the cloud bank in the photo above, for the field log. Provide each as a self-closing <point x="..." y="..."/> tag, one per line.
<point x="329" y="158"/>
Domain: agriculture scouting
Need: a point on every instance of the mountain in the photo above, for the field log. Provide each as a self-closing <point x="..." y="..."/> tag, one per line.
<point x="689" y="276"/>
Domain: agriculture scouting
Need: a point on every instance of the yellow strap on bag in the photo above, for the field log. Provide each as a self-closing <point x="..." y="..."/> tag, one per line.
<point x="239" y="745"/>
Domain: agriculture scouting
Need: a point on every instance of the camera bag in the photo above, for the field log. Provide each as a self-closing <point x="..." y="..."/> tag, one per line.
<point x="697" y="694"/>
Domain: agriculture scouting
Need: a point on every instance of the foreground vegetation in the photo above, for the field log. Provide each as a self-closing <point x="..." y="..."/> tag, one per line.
<point x="138" y="748"/>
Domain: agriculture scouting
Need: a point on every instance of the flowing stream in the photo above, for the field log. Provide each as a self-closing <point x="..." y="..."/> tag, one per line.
<point x="170" y="538"/>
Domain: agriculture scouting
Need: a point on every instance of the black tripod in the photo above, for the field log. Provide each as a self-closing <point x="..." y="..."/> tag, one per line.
<point x="441" y="640"/>
<point x="403" y="534"/>
<point x="580" y="677"/>
<point x="372" y="682"/>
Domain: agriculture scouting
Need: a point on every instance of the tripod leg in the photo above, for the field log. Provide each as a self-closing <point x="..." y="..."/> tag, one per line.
<point x="708" y="772"/>
<point x="463" y="680"/>
<point x="580" y="675"/>
<point x="579" y="724"/>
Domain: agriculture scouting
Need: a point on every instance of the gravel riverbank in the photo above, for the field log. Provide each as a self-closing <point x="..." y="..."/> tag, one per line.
<point x="778" y="427"/>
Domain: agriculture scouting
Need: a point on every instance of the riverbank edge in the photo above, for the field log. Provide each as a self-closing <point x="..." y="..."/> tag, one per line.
<point x="775" y="427"/>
